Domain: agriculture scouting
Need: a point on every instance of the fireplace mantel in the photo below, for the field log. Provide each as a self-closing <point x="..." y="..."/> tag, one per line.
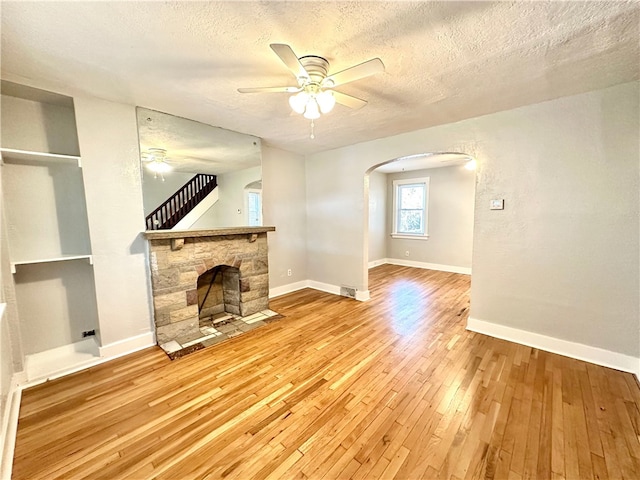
<point x="164" y="234"/>
<point x="177" y="258"/>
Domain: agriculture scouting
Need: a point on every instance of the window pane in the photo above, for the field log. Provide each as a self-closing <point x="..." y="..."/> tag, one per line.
<point x="411" y="196"/>
<point x="410" y="221"/>
<point x="254" y="208"/>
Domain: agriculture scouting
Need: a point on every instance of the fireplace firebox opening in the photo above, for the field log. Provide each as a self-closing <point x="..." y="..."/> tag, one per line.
<point x="218" y="292"/>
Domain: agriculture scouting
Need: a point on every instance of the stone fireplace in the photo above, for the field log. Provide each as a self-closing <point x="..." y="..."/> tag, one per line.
<point x="199" y="273"/>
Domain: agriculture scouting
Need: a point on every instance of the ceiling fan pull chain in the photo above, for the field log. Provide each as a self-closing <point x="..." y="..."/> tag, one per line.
<point x="312" y="136"/>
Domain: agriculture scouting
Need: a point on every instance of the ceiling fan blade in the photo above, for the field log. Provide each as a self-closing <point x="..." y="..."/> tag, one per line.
<point x="348" y="100"/>
<point x="365" y="69"/>
<point x="269" y="90"/>
<point x="290" y="59"/>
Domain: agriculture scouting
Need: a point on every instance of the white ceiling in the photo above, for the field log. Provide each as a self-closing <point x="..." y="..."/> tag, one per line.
<point x="445" y="61"/>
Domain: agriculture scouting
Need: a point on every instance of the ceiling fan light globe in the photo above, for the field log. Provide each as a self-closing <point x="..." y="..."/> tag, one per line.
<point x="159" y="167"/>
<point x="326" y="101"/>
<point x="298" y="102"/>
<point x="312" y="112"/>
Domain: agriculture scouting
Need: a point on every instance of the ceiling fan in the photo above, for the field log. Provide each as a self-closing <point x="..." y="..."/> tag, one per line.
<point x="156" y="160"/>
<point x="315" y="91"/>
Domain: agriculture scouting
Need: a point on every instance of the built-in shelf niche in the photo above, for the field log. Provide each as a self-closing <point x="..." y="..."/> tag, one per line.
<point x="10" y="155"/>
<point x="47" y="229"/>
<point x="63" y="258"/>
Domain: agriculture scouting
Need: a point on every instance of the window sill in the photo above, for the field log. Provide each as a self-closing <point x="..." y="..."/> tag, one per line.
<point x="407" y="235"/>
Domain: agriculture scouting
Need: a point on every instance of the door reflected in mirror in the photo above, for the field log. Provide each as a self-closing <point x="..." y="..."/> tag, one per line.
<point x="196" y="176"/>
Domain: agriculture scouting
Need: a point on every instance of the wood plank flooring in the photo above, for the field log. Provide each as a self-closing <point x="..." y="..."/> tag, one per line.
<point x="390" y="388"/>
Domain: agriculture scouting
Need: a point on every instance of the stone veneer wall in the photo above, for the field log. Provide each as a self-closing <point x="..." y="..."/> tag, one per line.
<point x="175" y="272"/>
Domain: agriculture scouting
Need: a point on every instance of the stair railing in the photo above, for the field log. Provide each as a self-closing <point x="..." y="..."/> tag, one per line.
<point x="177" y="206"/>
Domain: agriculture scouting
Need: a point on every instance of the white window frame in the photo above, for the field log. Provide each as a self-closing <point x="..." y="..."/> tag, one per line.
<point x="257" y="191"/>
<point x="425" y="210"/>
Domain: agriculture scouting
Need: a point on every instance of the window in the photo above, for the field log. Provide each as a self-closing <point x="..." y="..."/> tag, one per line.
<point x="410" y="206"/>
<point x="254" y="208"/>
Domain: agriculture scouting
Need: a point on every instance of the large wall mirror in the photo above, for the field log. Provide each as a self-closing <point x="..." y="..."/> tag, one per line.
<point x="196" y="176"/>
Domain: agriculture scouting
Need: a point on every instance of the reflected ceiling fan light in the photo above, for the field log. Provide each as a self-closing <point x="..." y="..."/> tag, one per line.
<point x="298" y="102"/>
<point x="470" y="165"/>
<point x="326" y="101"/>
<point x="159" y="166"/>
<point x="156" y="162"/>
<point x="312" y="112"/>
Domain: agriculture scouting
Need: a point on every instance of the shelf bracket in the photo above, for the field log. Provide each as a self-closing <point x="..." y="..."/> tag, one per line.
<point x="177" y="244"/>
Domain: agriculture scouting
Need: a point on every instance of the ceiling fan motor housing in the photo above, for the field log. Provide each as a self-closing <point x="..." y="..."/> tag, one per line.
<point x="316" y="67"/>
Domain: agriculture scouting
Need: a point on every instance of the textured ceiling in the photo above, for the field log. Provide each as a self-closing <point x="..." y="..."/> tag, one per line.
<point x="445" y="61"/>
<point x="195" y="147"/>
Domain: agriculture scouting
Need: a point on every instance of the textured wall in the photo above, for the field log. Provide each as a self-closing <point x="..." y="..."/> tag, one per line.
<point x="284" y="207"/>
<point x="562" y="258"/>
<point x="108" y="140"/>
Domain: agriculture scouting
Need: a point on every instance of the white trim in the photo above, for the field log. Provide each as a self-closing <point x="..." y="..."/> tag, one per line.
<point x="324" y="287"/>
<point x="429" y="266"/>
<point x="10" y="428"/>
<point x="61" y="258"/>
<point x="579" y="351"/>
<point x="408" y="236"/>
<point x="107" y="353"/>
<point x="289" y="288"/>
<point x="20" y="381"/>
<point x="29" y="155"/>
<point x="377" y="263"/>
<point x="127" y="346"/>
<point x="247" y="191"/>
<point x="425" y="207"/>
<point x="361" y="295"/>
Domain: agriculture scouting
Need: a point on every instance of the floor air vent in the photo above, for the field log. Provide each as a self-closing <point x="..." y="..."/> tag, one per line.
<point x="348" y="292"/>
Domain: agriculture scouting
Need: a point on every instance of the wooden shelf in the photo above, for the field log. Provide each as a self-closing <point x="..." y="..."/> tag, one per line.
<point x="61" y="258"/>
<point x="10" y="155"/>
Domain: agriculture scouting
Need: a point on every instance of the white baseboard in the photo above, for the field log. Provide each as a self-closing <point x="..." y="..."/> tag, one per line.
<point x="127" y="346"/>
<point x="324" y="287"/>
<point x="361" y="295"/>
<point x="10" y="428"/>
<point x="428" y="266"/>
<point x="284" y="289"/>
<point x="599" y="356"/>
<point x="377" y="263"/>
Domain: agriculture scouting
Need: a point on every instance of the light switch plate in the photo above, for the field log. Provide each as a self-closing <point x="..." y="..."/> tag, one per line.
<point x="497" y="204"/>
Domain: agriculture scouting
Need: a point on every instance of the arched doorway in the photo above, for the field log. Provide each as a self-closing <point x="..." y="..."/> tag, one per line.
<point x="445" y="184"/>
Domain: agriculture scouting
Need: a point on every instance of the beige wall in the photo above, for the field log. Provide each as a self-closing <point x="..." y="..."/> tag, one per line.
<point x="450" y="223"/>
<point x="39" y="127"/>
<point x="224" y="213"/>
<point x="379" y="206"/>
<point x="562" y="259"/>
<point x="108" y="139"/>
<point x="284" y="207"/>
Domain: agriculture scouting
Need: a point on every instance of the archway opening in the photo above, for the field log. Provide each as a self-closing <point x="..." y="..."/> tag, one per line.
<point x="419" y="211"/>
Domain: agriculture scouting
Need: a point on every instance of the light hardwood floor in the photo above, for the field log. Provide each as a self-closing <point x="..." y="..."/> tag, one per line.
<point x="390" y="388"/>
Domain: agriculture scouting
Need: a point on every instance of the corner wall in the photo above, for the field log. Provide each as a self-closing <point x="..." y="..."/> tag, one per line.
<point x="107" y="134"/>
<point x="284" y="206"/>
